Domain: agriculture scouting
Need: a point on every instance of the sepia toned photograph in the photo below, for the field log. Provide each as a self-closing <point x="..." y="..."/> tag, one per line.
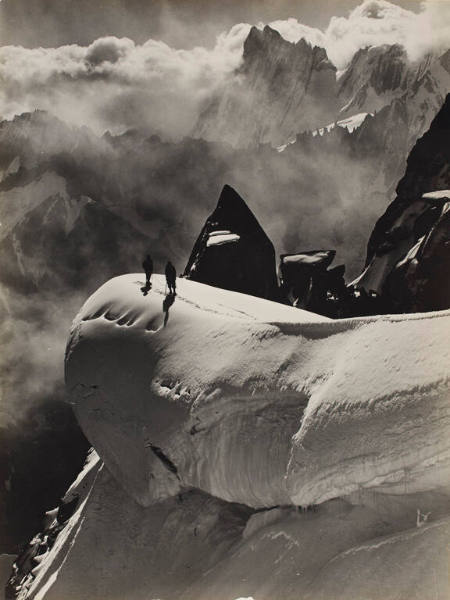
<point x="224" y="299"/>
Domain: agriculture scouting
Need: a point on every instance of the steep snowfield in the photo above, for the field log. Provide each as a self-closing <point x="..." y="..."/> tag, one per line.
<point x="350" y="123"/>
<point x="195" y="547"/>
<point x="240" y="400"/>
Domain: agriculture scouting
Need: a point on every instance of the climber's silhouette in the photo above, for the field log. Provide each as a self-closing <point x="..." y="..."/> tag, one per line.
<point x="147" y="265"/>
<point x="171" y="276"/>
<point x="167" y="303"/>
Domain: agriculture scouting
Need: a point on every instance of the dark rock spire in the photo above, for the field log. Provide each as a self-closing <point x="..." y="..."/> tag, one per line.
<point x="233" y="251"/>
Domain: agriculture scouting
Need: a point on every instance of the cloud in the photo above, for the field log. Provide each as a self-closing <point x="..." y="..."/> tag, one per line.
<point x="293" y="31"/>
<point x="117" y="84"/>
<point x="114" y="83"/>
<point x="373" y="23"/>
<point x="377" y="22"/>
<point x="108" y="50"/>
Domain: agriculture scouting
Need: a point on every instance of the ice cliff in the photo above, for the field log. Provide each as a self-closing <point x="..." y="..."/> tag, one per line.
<point x="251" y="449"/>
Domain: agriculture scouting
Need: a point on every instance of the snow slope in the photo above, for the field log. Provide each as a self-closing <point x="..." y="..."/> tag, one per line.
<point x="195" y="547"/>
<point x="350" y="123"/>
<point x="216" y="426"/>
<point x="255" y="402"/>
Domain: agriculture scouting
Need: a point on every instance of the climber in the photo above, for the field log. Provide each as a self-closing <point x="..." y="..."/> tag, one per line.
<point x="147" y="265"/>
<point x="171" y="276"/>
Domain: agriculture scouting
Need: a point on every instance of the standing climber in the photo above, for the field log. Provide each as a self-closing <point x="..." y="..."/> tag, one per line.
<point x="171" y="276"/>
<point x="147" y="265"/>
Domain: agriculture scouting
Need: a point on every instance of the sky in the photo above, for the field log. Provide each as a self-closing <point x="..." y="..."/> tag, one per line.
<point x="179" y="23"/>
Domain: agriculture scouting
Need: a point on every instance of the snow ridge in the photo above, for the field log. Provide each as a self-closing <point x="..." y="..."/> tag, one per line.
<point x="246" y="397"/>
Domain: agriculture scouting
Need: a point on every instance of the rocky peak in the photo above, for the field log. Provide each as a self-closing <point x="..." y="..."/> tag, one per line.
<point x="233" y="213"/>
<point x="258" y="40"/>
<point x="388" y="67"/>
<point x="269" y="45"/>
<point x="378" y="75"/>
<point x="281" y="88"/>
<point x="233" y="251"/>
<point x="374" y="72"/>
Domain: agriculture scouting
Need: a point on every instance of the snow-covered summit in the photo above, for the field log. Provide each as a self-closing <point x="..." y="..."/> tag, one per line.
<point x="256" y="402"/>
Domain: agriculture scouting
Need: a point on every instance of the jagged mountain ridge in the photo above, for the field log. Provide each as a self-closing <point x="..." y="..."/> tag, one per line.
<point x="232" y="250"/>
<point x="381" y="75"/>
<point x="284" y="88"/>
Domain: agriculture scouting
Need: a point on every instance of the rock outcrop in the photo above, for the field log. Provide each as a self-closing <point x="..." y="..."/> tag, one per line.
<point x="409" y="249"/>
<point x="232" y="251"/>
<point x="306" y="281"/>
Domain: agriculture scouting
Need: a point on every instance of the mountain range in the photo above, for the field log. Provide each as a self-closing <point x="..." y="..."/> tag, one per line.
<point x="282" y="89"/>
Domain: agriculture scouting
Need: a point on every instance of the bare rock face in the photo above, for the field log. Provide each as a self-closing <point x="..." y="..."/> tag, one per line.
<point x="382" y="69"/>
<point x="419" y="282"/>
<point x="308" y="282"/>
<point x="297" y="272"/>
<point x="232" y="251"/>
<point x="409" y="250"/>
<point x="280" y="89"/>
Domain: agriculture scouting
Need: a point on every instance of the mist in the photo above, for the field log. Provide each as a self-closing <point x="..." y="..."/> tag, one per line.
<point x="89" y="207"/>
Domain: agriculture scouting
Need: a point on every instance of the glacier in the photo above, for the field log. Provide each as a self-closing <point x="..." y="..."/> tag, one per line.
<point x="247" y="449"/>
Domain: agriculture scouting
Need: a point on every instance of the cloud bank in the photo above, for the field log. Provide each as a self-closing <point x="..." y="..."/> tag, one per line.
<point x="377" y="22"/>
<point x="117" y="84"/>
